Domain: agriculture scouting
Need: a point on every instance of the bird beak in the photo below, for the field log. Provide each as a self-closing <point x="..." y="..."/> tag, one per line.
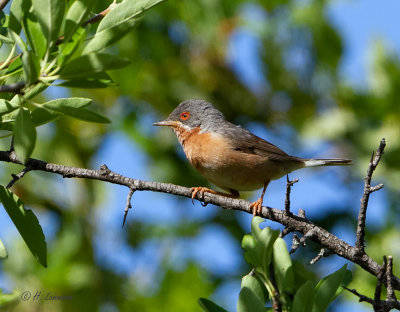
<point x="167" y="123"/>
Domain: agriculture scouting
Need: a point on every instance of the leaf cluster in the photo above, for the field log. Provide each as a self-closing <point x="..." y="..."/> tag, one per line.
<point x="274" y="282"/>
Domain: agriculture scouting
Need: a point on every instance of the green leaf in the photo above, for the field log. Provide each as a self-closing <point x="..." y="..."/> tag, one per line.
<point x="209" y="306"/>
<point x="265" y="242"/>
<point x="97" y="80"/>
<point x="87" y="84"/>
<point x="18" y="40"/>
<point x="24" y="135"/>
<point x="14" y="66"/>
<point x="6" y="299"/>
<point x="249" y="302"/>
<point x="35" y="90"/>
<point x="18" y="10"/>
<point x="255" y="225"/>
<point x="41" y="116"/>
<point x="50" y="15"/>
<point x="107" y="37"/>
<point x="26" y="223"/>
<point x="76" y="14"/>
<point x="3" y="250"/>
<point x="325" y="291"/>
<point x="259" y="248"/>
<point x="91" y="63"/>
<point x="282" y="267"/>
<point x="35" y="35"/>
<point x="68" y="48"/>
<point x="7" y="107"/>
<point x="30" y="64"/>
<point x="255" y="285"/>
<point x="124" y="12"/>
<point x="249" y="245"/>
<point x="117" y="23"/>
<point x="73" y="103"/>
<point x="303" y="299"/>
<point x="3" y="37"/>
<point x="74" y="107"/>
<point x="346" y="280"/>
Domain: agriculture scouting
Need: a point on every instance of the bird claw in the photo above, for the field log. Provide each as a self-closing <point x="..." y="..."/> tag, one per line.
<point x="201" y="190"/>
<point x="256" y="207"/>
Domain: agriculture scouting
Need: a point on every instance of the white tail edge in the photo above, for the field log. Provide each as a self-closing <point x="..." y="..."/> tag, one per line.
<point x="327" y="162"/>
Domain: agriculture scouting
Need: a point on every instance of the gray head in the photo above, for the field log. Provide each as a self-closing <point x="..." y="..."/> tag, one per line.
<point x="192" y="114"/>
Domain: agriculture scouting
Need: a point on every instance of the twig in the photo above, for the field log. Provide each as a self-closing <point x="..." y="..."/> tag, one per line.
<point x="128" y="204"/>
<point x="322" y="253"/>
<point x="3" y="3"/>
<point x="14" y="88"/>
<point x="295" y="243"/>
<point x="289" y="185"/>
<point x="298" y="224"/>
<point x="377" y="304"/>
<point x="362" y="297"/>
<point x="18" y="176"/>
<point x="387" y="305"/>
<point x="285" y="232"/>
<point x="364" y="200"/>
<point x="390" y="296"/>
<point x="98" y="17"/>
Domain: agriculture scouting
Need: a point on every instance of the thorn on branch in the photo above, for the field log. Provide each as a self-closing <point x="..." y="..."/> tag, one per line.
<point x="322" y="253"/>
<point x="289" y="184"/>
<point x="16" y="177"/>
<point x="128" y="204"/>
<point x="104" y="170"/>
<point x="302" y="214"/>
<point x="362" y="215"/>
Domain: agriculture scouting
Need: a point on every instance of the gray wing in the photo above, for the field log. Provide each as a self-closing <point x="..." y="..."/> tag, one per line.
<point x="244" y="141"/>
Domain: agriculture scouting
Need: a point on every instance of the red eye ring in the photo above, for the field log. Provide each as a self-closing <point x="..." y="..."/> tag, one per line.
<point x="185" y="115"/>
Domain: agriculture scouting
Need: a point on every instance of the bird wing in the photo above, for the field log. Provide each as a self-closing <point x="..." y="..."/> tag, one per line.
<point x="244" y="141"/>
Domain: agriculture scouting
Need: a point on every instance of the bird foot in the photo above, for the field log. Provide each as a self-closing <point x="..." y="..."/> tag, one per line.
<point x="257" y="206"/>
<point x="202" y="190"/>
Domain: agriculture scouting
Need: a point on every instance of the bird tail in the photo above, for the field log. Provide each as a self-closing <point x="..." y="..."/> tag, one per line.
<point x="327" y="162"/>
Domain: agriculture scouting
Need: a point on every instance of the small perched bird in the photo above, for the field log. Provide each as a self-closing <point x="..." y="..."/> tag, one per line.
<point x="230" y="156"/>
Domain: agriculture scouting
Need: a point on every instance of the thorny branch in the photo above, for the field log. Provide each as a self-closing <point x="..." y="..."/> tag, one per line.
<point x="128" y="204"/>
<point x="289" y="184"/>
<point x="296" y="223"/>
<point x="368" y="189"/>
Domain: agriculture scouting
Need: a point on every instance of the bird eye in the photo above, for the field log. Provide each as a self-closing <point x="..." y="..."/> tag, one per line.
<point x="185" y="115"/>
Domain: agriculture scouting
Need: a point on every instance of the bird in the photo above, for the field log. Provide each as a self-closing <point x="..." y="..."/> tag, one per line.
<point x="228" y="155"/>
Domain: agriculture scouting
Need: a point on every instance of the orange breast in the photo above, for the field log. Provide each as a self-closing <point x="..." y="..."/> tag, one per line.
<point x="221" y="164"/>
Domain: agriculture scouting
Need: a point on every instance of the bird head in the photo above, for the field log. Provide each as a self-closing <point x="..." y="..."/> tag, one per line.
<point x="191" y="115"/>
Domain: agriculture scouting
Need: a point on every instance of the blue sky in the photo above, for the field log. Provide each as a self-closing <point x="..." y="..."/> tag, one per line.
<point x="360" y="23"/>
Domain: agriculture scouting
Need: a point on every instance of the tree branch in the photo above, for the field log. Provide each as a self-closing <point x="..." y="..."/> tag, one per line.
<point x="3" y="3"/>
<point x="14" y="88"/>
<point x="297" y="223"/>
<point x="364" y="200"/>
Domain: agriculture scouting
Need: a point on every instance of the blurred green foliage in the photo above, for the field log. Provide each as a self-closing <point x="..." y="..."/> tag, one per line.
<point x="179" y="51"/>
